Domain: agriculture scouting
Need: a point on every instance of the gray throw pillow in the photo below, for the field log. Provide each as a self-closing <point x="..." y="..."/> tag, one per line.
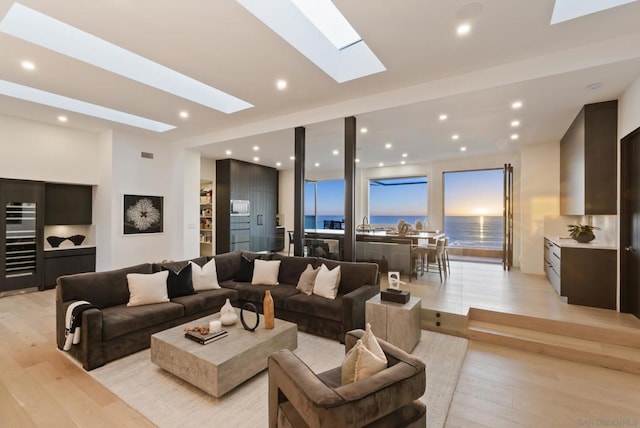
<point x="307" y="279"/>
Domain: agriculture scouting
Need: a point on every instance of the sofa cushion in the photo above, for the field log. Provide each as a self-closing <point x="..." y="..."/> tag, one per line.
<point x="265" y="272"/>
<point x="307" y="279"/>
<point x="177" y="266"/>
<point x="120" y="320"/>
<point x="208" y="300"/>
<point x="292" y="267"/>
<point x="179" y="283"/>
<point x="227" y="265"/>
<point x="315" y="306"/>
<point x="102" y="289"/>
<point x="147" y="289"/>
<point x="245" y="273"/>
<point x="255" y="293"/>
<point x="204" y="277"/>
<point x="327" y="282"/>
<point x="353" y="274"/>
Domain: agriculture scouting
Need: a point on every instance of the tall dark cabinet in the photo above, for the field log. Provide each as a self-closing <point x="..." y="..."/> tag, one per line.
<point x="588" y="161"/>
<point x="22" y="227"/>
<point x="238" y="180"/>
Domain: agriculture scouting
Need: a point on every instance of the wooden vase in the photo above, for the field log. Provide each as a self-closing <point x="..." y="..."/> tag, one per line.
<point x="267" y="307"/>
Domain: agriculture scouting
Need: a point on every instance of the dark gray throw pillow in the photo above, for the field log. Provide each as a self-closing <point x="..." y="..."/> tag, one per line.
<point x="179" y="282"/>
<point x="245" y="273"/>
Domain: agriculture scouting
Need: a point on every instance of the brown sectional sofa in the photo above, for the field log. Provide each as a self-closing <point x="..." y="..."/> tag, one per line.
<point x="114" y="330"/>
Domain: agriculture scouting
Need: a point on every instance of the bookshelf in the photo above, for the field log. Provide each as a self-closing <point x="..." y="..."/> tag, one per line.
<point x="206" y="218"/>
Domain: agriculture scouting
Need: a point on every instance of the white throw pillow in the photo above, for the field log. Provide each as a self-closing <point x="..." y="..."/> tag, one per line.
<point x="206" y="277"/>
<point x="145" y="289"/>
<point x="327" y="282"/>
<point x="307" y="279"/>
<point x="265" y="272"/>
<point x="364" y="359"/>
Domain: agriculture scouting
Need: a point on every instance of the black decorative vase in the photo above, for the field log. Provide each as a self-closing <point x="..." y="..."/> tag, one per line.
<point x="55" y="241"/>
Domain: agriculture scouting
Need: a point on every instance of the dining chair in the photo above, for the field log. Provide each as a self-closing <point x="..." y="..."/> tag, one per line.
<point x="436" y="253"/>
<point x="290" y="232"/>
<point x="445" y="255"/>
<point x="419" y="256"/>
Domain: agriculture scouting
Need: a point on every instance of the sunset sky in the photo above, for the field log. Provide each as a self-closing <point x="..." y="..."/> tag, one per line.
<point x="466" y="193"/>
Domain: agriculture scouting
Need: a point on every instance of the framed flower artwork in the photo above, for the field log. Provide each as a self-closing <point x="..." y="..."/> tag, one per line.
<point x="142" y="214"/>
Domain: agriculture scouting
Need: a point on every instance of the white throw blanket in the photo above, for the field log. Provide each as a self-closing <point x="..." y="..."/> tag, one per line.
<point x="71" y="324"/>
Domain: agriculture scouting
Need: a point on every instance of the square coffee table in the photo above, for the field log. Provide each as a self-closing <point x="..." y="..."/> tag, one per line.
<point x="220" y="366"/>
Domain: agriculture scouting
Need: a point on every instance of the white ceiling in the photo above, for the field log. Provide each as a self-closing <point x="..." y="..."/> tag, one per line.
<point x="512" y="53"/>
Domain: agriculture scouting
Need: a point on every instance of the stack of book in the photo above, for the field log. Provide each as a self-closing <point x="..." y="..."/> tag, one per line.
<point x="205" y="338"/>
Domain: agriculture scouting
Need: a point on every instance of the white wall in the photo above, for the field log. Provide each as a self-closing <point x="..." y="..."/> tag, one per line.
<point x="629" y="109"/>
<point x="540" y="197"/>
<point x="37" y="151"/>
<point x="132" y="174"/>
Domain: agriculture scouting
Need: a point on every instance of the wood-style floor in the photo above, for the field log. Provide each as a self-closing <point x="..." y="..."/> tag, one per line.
<point x="40" y="386"/>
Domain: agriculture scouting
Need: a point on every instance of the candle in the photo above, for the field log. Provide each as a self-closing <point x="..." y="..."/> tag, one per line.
<point x="215" y="326"/>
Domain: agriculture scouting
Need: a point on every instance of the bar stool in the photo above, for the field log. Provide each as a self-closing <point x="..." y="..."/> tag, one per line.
<point x="445" y="255"/>
<point x="437" y="253"/>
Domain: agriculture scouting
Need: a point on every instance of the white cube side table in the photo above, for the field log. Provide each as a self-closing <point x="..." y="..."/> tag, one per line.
<point x="397" y="323"/>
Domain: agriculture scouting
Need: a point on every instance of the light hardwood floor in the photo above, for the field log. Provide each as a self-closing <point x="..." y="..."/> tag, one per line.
<point x="40" y="386"/>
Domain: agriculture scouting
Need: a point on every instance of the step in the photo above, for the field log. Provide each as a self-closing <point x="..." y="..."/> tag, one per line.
<point x="613" y="334"/>
<point x="592" y="352"/>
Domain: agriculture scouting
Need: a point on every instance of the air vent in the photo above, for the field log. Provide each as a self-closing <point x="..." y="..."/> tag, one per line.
<point x="146" y="155"/>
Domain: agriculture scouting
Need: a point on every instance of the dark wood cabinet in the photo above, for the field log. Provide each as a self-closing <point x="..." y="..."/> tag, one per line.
<point x="584" y="276"/>
<point x="257" y="184"/>
<point x="68" y="204"/>
<point x="588" y="161"/>
<point x="67" y="262"/>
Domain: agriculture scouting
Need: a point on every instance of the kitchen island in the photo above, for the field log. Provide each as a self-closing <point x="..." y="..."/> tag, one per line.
<point x="383" y="246"/>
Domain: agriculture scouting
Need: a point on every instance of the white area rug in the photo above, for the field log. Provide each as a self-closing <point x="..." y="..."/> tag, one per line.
<point x="168" y="401"/>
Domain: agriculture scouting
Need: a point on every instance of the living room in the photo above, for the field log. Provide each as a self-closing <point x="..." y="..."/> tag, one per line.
<point x="107" y="156"/>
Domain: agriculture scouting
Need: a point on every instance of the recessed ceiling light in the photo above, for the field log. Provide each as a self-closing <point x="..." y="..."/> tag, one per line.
<point x="594" y="86"/>
<point x="357" y="160"/>
<point x="256" y="148"/>
<point x="37" y="28"/>
<point x="317" y="164"/>
<point x="455" y="137"/>
<point x="381" y="164"/>
<point x="184" y="114"/>
<point x="281" y="84"/>
<point x="256" y="159"/>
<point x="28" y="65"/>
<point x="388" y="146"/>
<point x="363" y="130"/>
<point x="228" y="152"/>
<point x="278" y="163"/>
<point x="514" y="136"/>
<point x="404" y="155"/>
<point x="442" y="117"/>
<point x="463" y="29"/>
<point x="516" y="105"/>
<point x="515" y="123"/>
<point x="292" y="158"/>
<point x="335" y="152"/>
<point x="62" y="118"/>
<point x="463" y="149"/>
<point x="403" y="162"/>
<point x="70" y="104"/>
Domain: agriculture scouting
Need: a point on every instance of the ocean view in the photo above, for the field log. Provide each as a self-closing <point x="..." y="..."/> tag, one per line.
<point x="463" y="231"/>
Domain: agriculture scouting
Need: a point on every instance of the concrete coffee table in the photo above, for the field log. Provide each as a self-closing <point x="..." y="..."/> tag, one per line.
<point x="220" y="366"/>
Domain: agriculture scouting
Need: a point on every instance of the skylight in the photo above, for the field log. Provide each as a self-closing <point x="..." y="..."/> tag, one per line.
<point x="565" y="10"/>
<point x="54" y="100"/>
<point x="318" y="31"/>
<point x="40" y="29"/>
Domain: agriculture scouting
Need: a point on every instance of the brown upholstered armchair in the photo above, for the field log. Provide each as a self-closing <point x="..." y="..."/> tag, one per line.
<point x="300" y="398"/>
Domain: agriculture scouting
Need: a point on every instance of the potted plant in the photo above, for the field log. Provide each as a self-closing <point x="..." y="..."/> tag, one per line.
<point x="582" y="233"/>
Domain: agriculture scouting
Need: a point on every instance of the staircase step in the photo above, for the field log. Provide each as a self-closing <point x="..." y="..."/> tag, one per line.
<point x="607" y="355"/>
<point x="622" y="335"/>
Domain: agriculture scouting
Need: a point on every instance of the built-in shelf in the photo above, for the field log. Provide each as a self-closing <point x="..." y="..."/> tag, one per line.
<point x="206" y="218"/>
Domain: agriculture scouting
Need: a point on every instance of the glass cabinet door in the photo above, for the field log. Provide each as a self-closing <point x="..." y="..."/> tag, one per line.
<point x="21" y="240"/>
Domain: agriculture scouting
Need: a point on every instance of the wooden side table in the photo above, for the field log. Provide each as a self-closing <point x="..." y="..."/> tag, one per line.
<point x="398" y="324"/>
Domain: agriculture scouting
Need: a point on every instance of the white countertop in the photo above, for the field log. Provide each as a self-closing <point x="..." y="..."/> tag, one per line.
<point x="567" y="242"/>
